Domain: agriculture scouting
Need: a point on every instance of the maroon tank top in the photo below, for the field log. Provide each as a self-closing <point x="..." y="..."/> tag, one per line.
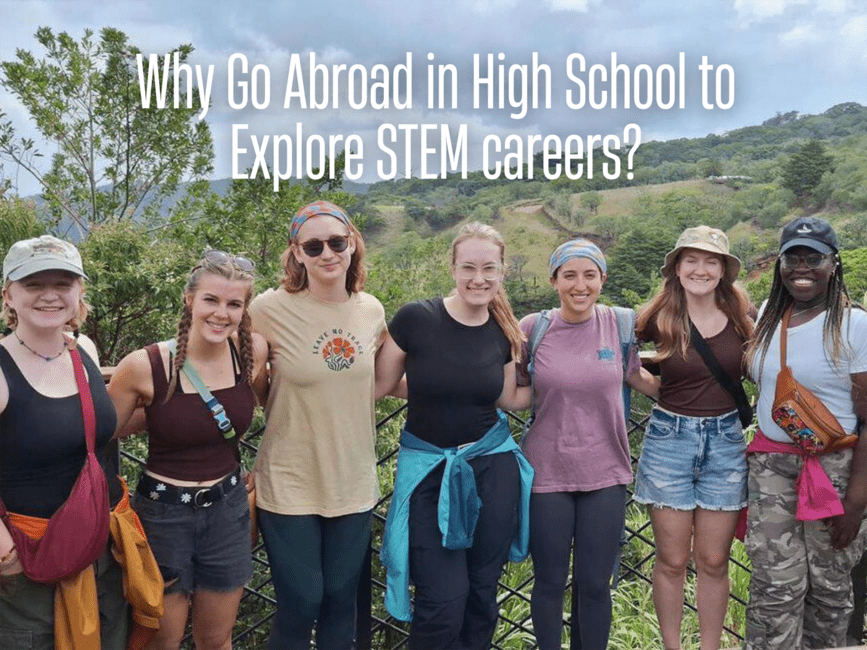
<point x="184" y="442"/>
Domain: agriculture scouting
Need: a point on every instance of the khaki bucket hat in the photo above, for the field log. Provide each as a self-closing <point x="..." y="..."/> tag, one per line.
<point x="703" y="238"/>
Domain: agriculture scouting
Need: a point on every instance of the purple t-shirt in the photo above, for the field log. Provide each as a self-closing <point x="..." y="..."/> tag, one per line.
<point x="578" y="441"/>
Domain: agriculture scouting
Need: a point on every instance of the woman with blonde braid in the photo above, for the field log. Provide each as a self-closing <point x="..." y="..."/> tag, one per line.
<point x="462" y="492"/>
<point x="191" y="498"/>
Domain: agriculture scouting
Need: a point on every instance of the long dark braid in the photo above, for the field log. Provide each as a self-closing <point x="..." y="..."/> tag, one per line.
<point x="837" y="304"/>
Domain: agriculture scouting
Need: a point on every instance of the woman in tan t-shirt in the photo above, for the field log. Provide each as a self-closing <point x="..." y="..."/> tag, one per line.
<point x="316" y="466"/>
<point x="692" y="469"/>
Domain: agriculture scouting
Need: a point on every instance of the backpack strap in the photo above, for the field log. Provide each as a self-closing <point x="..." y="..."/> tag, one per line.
<point x="543" y="322"/>
<point x="211" y="402"/>
<point x="626" y="334"/>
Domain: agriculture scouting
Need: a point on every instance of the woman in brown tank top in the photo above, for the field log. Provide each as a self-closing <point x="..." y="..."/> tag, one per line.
<point x="692" y="470"/>
<point x="191" y="499"/>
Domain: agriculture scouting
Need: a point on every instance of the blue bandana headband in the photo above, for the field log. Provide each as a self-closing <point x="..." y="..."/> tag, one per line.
<point x="576" y="248"/>
<point x="313" y="210"/>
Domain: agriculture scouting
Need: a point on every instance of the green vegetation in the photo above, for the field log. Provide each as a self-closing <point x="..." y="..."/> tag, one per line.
<point x="128" y="183"/>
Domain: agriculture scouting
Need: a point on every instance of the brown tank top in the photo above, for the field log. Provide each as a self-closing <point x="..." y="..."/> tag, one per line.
<point x="184" y="442"/>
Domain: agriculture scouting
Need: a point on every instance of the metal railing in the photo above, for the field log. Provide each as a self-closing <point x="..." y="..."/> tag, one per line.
<point x="376" y="629"/>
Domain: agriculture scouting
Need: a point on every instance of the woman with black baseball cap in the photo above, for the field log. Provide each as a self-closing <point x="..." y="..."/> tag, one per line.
<point x="807" y="495"/>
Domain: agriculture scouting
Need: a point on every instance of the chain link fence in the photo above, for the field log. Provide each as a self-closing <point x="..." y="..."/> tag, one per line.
<point x="376" y="629"/>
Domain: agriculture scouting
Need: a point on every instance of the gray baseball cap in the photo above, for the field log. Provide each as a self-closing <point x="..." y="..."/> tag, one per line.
<point x="45" y="253"/>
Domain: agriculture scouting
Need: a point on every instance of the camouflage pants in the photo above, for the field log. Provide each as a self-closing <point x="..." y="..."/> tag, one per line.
<point x="800" y="590"/>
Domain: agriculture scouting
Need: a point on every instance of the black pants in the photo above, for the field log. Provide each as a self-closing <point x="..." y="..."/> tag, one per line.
<point x="594" y="520"/>
<point x="315" y="566"/>
<point x="456" y="591"/>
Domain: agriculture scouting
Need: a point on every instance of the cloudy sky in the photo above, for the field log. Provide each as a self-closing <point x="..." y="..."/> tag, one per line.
<point x="784" y="55"/>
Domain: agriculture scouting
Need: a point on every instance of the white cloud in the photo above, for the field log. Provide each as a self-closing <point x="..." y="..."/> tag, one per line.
<point x="854" y="38"/>
<point x="569" y="5"/>
<point x="801" y="35"/>
<point x="758" y="10"/>
<point x="833" y="6"/>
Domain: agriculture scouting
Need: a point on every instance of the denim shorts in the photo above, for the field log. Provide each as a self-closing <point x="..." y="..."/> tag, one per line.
<point x="692" y="462"/>
<point x="200" y="548"/>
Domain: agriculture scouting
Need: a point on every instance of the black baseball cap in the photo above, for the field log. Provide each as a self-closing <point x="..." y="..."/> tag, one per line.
<point x="811" y="232"/>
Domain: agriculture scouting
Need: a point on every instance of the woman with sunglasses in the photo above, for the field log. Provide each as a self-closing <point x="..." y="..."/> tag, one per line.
<point x="692" y="472"/>
<point x="805" y="527"/>
<point x="316" y="466"/>
<point x="191" y="497"/>
<point x="462" y="491"/>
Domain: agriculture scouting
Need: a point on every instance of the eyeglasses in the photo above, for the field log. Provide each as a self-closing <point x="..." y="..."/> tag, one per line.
<point x="811" y="260"/>
<point x="469" y="271"/>
<point x="221" y="257"/>
<point x="314" y="247"/>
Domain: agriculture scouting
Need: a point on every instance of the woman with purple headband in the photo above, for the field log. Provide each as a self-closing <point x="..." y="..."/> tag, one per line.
<point x="578" y="445"/>
<point x="316" y="467"/>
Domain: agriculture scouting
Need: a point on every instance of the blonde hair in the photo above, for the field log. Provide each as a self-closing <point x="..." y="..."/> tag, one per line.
<point x="229" y="271"/>
<point x="74" y="324"/>
<point x="668" y="307"/>
<point x="500" y="307"/>
<point x="295" y="274"/>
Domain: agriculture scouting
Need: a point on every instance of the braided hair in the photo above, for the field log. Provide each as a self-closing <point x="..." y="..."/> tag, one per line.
<point x="229" y="271"/>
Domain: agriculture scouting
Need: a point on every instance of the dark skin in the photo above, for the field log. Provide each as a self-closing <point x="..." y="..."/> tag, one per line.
<point x="844" y="528"/>
<point x="809" y="288"/>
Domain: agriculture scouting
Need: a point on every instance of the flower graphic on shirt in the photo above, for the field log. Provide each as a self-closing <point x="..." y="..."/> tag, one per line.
<point x="339" y="353"/>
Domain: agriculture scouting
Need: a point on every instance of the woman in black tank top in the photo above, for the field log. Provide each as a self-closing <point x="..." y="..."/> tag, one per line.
<point x="191" y="498"/>
<point x="42" y="438"/>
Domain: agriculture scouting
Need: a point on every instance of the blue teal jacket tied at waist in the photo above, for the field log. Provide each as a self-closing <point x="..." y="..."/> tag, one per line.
<point x="458" y="509"/>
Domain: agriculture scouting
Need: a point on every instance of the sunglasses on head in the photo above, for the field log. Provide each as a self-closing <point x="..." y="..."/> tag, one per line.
<point x="221" y="257"/>
<point x="314" y="247"/>
<point x="812" y="260"/>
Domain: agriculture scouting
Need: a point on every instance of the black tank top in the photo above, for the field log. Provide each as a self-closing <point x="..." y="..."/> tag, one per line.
<point x="184" y="442"/>
<point x="42" y="442"/>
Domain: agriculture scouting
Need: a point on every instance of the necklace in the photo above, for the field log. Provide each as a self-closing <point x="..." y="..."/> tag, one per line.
<point x="42" y="356"/>
<point x="803" y="311"/>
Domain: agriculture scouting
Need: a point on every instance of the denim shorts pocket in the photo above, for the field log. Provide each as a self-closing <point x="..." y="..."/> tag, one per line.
<point x="236" y="496"/>
<point x="147" y="508"/>
<point x="733" y="434"/>
<point x="16" y="639"/>
<point x="660" y="429"/>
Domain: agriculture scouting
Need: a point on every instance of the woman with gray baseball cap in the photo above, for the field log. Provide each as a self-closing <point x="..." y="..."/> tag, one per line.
<point x="43" y="442"/>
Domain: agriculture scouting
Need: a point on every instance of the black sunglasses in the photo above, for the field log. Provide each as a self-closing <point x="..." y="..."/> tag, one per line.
<point x="221" y="257"/>
<point x="314" y="247"/>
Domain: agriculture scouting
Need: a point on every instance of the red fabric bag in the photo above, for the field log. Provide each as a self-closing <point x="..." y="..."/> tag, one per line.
<point x="77" y="533"/>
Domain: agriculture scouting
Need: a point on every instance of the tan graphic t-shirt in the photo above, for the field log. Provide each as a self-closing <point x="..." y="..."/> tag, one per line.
<point x="317" y="454"/>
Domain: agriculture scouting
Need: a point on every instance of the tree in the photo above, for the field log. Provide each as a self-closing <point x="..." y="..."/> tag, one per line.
<point x="18" y="221"/>
<point x="591" y="201"/>
<point x="804" y="170"/>
<point x="111" y="155"/>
